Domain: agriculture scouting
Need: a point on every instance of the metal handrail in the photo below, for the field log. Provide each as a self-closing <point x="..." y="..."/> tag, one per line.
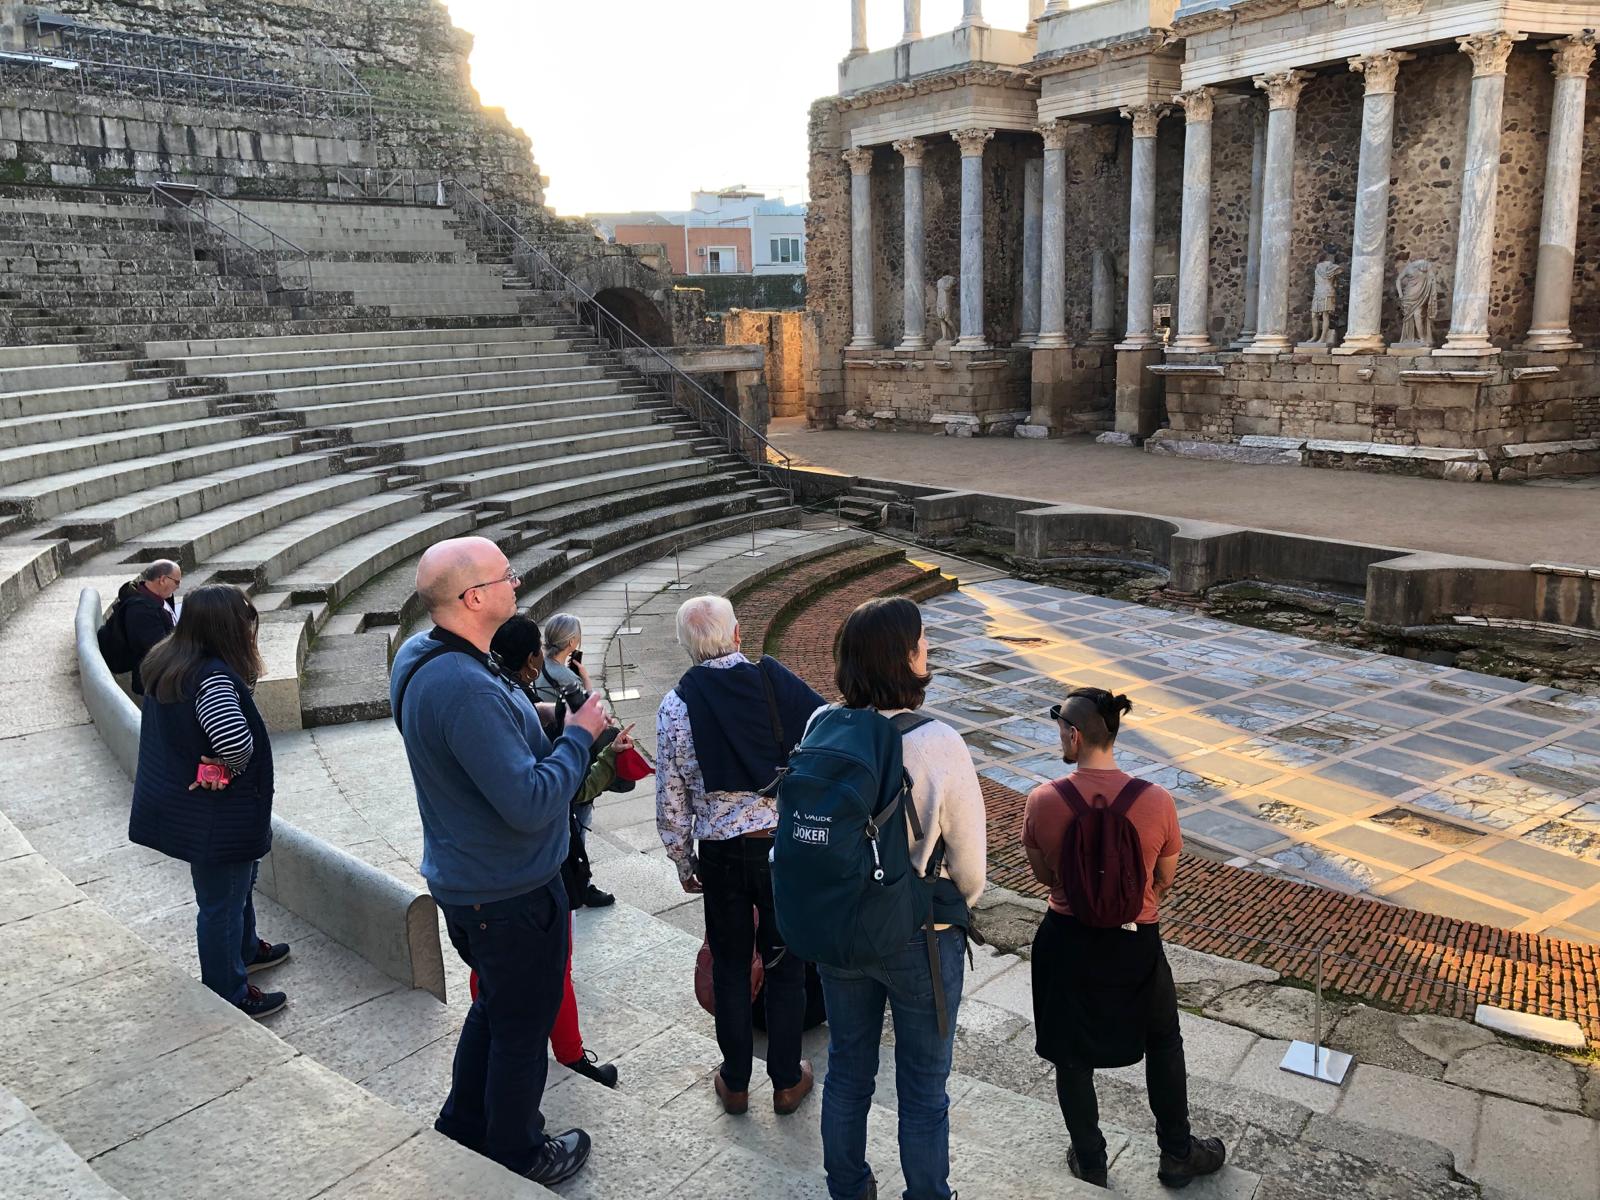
<point x="740" y="437"/>
<point x="183" y="196"/>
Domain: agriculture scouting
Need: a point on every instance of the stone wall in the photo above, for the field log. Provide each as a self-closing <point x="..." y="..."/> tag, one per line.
<point x="1097" y="218"/>
<point x="827" y="266"/>
<point x="961" y="393"/>
<point x="783" y="336"/>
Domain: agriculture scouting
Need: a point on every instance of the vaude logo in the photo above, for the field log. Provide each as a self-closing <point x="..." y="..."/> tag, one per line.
<point x="811" y="835"/>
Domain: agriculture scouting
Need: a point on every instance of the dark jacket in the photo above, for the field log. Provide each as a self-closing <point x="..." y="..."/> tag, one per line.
<point x="231" y="825"/>
<point x="731" y="720"/>
<point x="145" y="621"/>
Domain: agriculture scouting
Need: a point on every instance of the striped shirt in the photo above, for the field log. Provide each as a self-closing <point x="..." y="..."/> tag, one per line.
<point x="216" y="705"/>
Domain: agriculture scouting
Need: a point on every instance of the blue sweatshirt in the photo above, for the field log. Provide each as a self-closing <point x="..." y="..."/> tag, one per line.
<point x="493" y="792"/>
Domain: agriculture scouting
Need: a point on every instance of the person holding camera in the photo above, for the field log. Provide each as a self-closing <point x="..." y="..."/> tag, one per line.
<point x="494" y="794"/>
<point x="202" y="792"/>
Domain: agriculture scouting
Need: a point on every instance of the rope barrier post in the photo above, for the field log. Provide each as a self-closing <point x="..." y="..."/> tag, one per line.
<point x="628" y="627"/>
<point x="1314" y="1060"/>
<point x="624" y="692"/>
<point x="838" y="514"/>
<point x="753" y="552"/>
<point x="677" y="585"/>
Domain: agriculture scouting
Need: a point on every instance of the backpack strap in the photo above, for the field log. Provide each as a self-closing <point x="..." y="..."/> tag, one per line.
<point x="904" y="723"/>
<point x="1131" y="791"/>
<point x="772" y="713"/>
<point x="1068" y="791"/>
<point x="400" y="694"/>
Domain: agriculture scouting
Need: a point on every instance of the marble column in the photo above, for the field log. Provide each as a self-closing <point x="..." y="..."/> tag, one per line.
<point x="1369" y="250"/>
<point x="1102" y="297"/>
<point x="1053" y="240"/>
<point x="1032" y="219"/>
<point x="1558" y="226"/>
<point x="1252" y="250"/>
<point x="1035" y="11"/>
<point x="913" y="21"/>
<point x="1480" y="176"/>
<point x="916" y="309"/>
<point x="1140" y="334"/>
<point x="972" y="143"/>
<point x="972" y="15"/>
<point x="1194" y="246"/>
<point x="860" y="160"/>
<point x="858" y="28"/>
<point x="1277" y="211"/>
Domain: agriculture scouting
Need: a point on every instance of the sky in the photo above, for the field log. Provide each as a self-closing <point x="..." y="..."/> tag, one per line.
<point x="633" y="104"/>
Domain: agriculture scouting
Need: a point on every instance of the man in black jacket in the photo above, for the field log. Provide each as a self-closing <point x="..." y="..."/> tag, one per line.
<point x="146" y="610"/>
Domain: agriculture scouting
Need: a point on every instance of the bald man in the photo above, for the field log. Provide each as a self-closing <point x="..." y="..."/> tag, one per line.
<point x="493" y="793"/>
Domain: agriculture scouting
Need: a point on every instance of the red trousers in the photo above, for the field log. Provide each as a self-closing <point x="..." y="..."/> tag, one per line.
<point x="565" y="1039"/>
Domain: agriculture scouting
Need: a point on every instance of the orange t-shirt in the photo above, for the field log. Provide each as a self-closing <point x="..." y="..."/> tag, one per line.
<point x="1154" y="815"/>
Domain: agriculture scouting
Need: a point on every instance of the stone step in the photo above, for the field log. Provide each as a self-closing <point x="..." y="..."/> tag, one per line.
<point x="62" y="399"/>
<point x="314" y="416"/>
<point x="334" y="340"/>
<point x="440" y="467"/>
<point x="69" y="373"/>
<point x="335" y="574"/>
<point x="532" y="340"/>
<point x="346" y="678"/>
<point x="511" y="490"/>
<point x="546" y="502"/>
<point x="40" y="1162"/>
<point x="388" y="370"/>
<point x="269" y="556"/>
<point x="19" y="357"/>
<point x="422" y="424"/>
<point x="41" y="430"/>
<point x="489" y="427"/>
<point x="27" y="568"/>
<point x="206" y="536"/>
<point x="379" y="388"/>
<point x="24" y="463"/>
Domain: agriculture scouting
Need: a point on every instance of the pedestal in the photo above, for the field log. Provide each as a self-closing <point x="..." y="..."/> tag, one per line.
<point x="1141" y="396"/>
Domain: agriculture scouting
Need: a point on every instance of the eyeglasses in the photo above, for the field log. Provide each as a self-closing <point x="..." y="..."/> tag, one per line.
<point x="1057" y="715"/>
<point x="512" y="576"/>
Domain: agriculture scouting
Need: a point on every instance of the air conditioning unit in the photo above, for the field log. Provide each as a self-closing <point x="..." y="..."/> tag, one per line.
<point x="700" y="251"/>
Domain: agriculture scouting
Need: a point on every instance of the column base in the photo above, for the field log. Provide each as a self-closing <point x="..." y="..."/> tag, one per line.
<point x="1269" y="343"/>
<point x="861" y="343"/>
<point x="1409" y="349"/>
<point x="1314" y="348"/>
<point x="1051" y="341"/>
<point x="1026" y="342"/>
<point x="970" y="343"/>
<point x="1196" y="344"/>
<point x="913" y="343"/>
<point x="1550" y="339"/>
<point x="1141" y="342"/>
<point x="1099" y="337"/>
<point x="1361" y="345"/>
<point x="1468" y="346"/>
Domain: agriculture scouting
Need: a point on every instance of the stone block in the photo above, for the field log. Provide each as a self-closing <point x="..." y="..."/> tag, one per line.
<point x="1528" y="1151"/>
<point x="1442" y="1038"/>
<point x="1524" y="1075"/>
<point x="1402" y="1103"/>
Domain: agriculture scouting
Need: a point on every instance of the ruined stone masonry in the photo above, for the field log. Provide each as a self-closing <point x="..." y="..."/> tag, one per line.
<point x="1342" y="233"/>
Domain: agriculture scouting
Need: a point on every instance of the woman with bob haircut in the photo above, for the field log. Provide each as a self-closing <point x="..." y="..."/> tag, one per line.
<point x="202" y="792"/>
<point x="882" y="663"/>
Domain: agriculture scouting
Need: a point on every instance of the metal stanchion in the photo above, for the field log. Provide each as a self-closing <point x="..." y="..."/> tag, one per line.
<point x="677" y="585"/>
<point x="628" y="627"/>
<point x="1314" y="1060"/>
<point x="624" y="692"/>
<point x="753" y="552"/>
<point x="838" y="514"/>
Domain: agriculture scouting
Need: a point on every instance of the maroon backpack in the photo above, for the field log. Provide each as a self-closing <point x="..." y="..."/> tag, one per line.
<point x="1102" y="863"/>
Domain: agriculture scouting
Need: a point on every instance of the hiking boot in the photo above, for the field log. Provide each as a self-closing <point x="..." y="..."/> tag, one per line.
<point x="735" y="1104"/>
<point x="267" y="955"/>
<point x="563" y="1157"/>
<point x="593" y="897"/>
<point x="786" y="1100"/>
<point x="1096" y="1177"/>
<point x="590" y="1067"/>
<point x="1206" y="1156"/>
<point x="257" y="1004"/>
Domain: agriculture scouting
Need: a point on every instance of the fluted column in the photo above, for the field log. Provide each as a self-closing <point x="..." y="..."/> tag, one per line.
<point x="913" y="21"/>
<point x="858" y="28"/>
<point x="1277" y="211"/>
<point x="916" y="312"/>
<point x="1480" y="176"/>
<point x="1146" y="120"/>
<point x="860" y="160"/>
<point x="972" y="15"/>
<point x="1363" y="331"/>
<point x="1032" y="218"/>
<point x="1194" y="245"/>
<point x="1053" y="239"/>
<point x="972" y="142"/>
<point x="1252" y="250"/>
<point x="1558" y="226"/>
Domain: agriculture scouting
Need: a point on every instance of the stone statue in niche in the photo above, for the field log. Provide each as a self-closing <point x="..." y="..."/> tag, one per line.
<point x="944" y="310"/>
<point x="1416" y="285"/>
<point x="1324" y="300"/>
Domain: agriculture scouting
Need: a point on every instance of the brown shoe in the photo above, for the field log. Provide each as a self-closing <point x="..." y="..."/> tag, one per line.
<point x="735" y="1104"/>
<point x="786" y="1100"/>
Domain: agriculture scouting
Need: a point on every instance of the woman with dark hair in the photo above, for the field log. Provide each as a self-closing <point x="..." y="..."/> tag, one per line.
<point x="203" y="789"/>
<point x="882" y="663"/>
<point x="518" y="646"/>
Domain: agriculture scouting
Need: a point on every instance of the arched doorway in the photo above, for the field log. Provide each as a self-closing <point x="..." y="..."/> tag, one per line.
<point x="635" y="310"/>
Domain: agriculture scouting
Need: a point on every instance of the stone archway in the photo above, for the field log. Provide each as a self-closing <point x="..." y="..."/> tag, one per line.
<point x="636" y="310"/>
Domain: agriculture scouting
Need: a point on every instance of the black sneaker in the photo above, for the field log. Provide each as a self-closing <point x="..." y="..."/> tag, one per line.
<point x="563" y="1158"/>
<point x="593" y="897"/>
<point x="590" y="1067"/>
<point x="1206" y="1156"/>
<point x="267" y="955"/>
<point x="1098" y="1178"/>
<point x="257" y="1004"/>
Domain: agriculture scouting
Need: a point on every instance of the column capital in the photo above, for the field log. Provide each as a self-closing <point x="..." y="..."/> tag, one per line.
<point x="1197" y="104"/>
<point x="972" y="141"/>
<point x="1146" y="118"/>
<point x="1054" y="134"/>
<point x="1489" y="51"/>
<point x="912" y="150"/>
<point x="860" y="160"/>
<point x="1382" y="70"/>
<point x="1573" y="55"/>
<point x="1283" y="87"/>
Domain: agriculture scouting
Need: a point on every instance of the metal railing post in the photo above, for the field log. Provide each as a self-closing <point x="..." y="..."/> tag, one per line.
<point x="677" y="584"/>
<point x="624" y="692"/>
<point x="628" y="626"/>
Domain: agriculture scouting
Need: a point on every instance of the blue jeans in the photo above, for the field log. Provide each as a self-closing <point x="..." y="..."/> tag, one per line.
<point x="518" y="947"/>
<point x="921" y="1061"/>
<point x="225" y="929"/>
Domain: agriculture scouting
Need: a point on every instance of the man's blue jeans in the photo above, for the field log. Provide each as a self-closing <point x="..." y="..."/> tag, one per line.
<point x="518" y="947"/>
<point x="921" y="1059"/>
<point x="225" y="930"/>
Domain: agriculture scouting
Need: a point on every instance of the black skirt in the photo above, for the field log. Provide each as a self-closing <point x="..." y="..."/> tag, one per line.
<point x="1096" y="991"/>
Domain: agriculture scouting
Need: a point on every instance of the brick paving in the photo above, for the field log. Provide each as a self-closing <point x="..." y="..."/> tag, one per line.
<point x="1257" y="908"/>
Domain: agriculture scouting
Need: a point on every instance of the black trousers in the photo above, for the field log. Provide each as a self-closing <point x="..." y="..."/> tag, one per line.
<point x="737" y="881"/>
